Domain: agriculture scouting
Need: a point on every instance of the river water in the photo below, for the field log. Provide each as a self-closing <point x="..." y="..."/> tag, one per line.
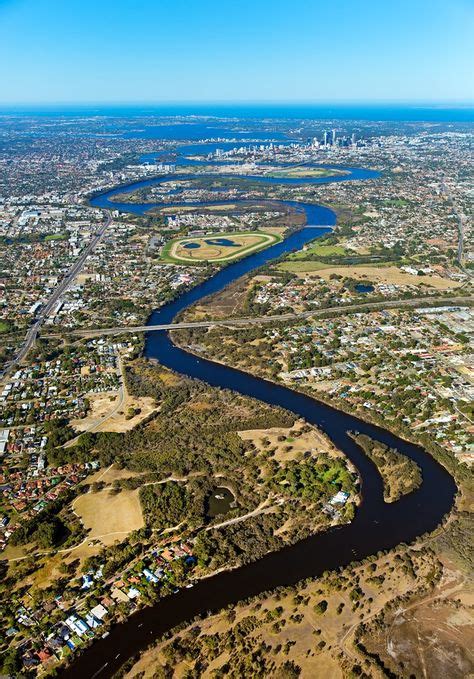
<point x="377" y="525"/>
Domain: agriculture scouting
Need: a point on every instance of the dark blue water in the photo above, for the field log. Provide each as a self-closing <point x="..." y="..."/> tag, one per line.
<point x="376" y="526"/>
<point x="224" y="242"/>
<point x="364" y="288"/>
<point x="211" y="147"/>
<point x="106" y="199"/>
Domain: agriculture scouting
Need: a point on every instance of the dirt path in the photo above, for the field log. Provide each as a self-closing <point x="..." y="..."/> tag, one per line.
<point x="68" y="549"/>
<point x="261" y="509"/>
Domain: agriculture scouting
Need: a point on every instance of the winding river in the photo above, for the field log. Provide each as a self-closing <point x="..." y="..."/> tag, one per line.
<point x="376" y="526"/>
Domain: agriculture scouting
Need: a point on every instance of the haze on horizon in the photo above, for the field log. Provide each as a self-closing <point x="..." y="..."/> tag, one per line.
<point x="82" y="51"/>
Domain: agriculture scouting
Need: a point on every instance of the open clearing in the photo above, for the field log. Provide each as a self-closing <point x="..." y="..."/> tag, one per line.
<point x="293" y="443"/>
<point x="377" y="274"/>
<point x="179" y="209"/>
<point x="303" y="171"/>
<point x="111" y="474"/>
<point x="222" y="247"/>
<point x="320" y="250"/>
<point x="111" y="410"/>
<point x="287" y="628"/>
<point x="110" y="516"/>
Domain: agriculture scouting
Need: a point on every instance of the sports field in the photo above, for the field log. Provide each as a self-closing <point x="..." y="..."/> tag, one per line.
<point x="221" y="247"/>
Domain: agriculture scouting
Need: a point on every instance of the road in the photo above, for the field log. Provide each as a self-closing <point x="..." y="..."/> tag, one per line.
<point x="460" y="253"/>
<point x="122" y="393"/>
<point x="61" y="288"/>
<point x="258" y="320"/>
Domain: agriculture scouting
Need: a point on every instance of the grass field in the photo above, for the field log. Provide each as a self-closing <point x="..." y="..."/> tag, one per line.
<point x="4" y="327"/>
<point x="379" y="273"/>
<point x="179" y="209"/>
<point x="56" y="236"/>
<point x="302" y="266"/>
<point x="110" y="517"/>
<point x="292" y="446"/>
<point x="320" y="250"/>
<point x="302" y="172"/>
<point x="212" y="248"/>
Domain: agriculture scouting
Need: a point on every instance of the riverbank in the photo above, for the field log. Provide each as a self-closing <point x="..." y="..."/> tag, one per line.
<point x="376" y="526"/>
<point x="365" y="415"/>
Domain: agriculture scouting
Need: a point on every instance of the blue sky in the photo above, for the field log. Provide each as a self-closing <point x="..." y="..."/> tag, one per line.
<point x="236" y="50"/>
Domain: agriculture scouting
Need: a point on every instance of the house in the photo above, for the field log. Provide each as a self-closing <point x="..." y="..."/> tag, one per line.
<point x="99" y="611"/>
<point x="87" y="581"/>
<point x="133" y="593"/>
<point x="167" y="555"/>
<point x="76" y="625"/>
<point x="340" y="498"/>
<point x="119" y="595"/>
<point x="92" y="621"/>
<point x="44" y="655"/>
<point x="151" y="577"/>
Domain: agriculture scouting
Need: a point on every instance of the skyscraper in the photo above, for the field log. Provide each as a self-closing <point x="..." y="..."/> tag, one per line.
<point x="334" y="137"/>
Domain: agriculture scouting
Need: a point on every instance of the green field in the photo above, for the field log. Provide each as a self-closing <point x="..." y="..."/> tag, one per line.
<point x="56" y="236"/>
<point x="208" y="249"/>
<point x="305" y="172"/>
<point x="302" y="266"/>
<point x="4" y="326"/>
<point x="395" y="202"/>
<point x="320" y="250"/>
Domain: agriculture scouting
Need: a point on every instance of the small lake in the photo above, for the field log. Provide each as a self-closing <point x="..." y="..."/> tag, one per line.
<point x="362" y="287"/>
<point x="225" y="242"/>
<point x="222" y="242"/>
<point x="219" y="501"/>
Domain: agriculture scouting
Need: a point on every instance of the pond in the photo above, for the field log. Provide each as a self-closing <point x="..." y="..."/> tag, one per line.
<point x="364" y="287"/>
<point x="225" y="242"/>
<point x="219" y="501"/>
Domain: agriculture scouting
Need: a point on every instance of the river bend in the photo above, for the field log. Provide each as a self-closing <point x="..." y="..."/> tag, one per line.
<point x="377" y="525"/>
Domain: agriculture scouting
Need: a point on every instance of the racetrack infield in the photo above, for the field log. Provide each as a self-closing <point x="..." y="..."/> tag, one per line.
<point x="221" y="247"/>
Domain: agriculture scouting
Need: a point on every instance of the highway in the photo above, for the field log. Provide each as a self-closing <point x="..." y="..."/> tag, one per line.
<point x="459" y="219"/>
<point x="258" y="320"/>
<point x="61" y="288"/>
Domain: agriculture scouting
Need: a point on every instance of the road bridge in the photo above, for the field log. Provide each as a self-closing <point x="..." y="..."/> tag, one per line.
<point x="280" y="318"/>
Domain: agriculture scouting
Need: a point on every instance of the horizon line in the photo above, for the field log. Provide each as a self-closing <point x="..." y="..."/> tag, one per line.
<point x="431" y="103"/>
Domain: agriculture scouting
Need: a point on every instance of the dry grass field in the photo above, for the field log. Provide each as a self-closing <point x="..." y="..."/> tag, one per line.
<point x="111" y="474"/>
<point x="376" y="274"/>
<point x="179" y="209"/>
<point x="288" y="626"/>
<point x="290" y="444"/>
<point x="303" y="171"/>
<point x="112" y="410"/>
<point x="109" y="516"/>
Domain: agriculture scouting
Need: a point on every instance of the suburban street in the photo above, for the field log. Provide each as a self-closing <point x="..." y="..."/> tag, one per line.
<point x="32" y="333"/>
